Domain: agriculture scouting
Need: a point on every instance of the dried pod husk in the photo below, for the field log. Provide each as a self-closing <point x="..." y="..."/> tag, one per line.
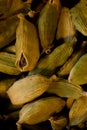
<point x="78" y="111"/>
<point x="27" y="45"/>
<point x="8" y="33"/>
<point x="79" y="17"/>
<point x="59" y="123"/>
<point x="65" y="28"/>
<point x="4" y="85"/>
<point x="47" y="23"/>
<point x="66" y="68"/>
<point x="27" y="89"/>
<point x="78" y="73"/>
<point x="7" y="64"/>
<point x="43" y="107"/>
<point x="56" y="58"/>
<point x="63" y="88"/>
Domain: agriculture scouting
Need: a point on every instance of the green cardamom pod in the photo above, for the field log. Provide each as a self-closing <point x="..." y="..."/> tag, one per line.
<point x="44" y="108"/>
<point x="78" y="74"/>
<point x="65" y="29"/>
<point x="27" y="45"/>
<point x="78" y="111"/>
<point x="47" y="65"/>
<point x="63" y="88"/>
<point x="47" y="23"/>
<point x="79" y="16"/>
<point x="27" y="89"/>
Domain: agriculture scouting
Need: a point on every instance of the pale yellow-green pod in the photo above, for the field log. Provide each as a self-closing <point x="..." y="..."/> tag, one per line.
<point x="40" y="110"/>
<point x="7" y="64"/>
<point x="63" y="88"/>
<point x="27" y="45"/>
<point x="66" y="68"/>
<point x="47" y="24"/>
<point x="79" y="16"/>
<point x="27" y="89"/>
<point x="8" y="30"/>
<point x="56" y="58"/>
<point x="78" y="111"/>
<point x="78" y="74"/>
<point x="65" y="28"/>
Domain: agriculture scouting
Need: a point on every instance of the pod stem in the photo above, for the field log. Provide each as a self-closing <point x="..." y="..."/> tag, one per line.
<point x="19" y="126"/>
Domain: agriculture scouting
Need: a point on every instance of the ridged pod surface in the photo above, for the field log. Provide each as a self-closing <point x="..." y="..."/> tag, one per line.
<point x="27" y="45"/>
<point x="78" y="111"/>
<point x="27" y="89"/>
<point x="78" y="74"/>
<point x="40" y="110"/>
<point x="47" y="24"/>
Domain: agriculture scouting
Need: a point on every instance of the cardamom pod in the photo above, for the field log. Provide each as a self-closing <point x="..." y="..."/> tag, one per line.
<point x="79" y="17"/>
<point x="63" y="88"/>
<point x="27" y="45"/>
<point x="66" y="68"/>
<point x="27" y="89"/>
<point x="78" y="73"/>
<point x="43" y="107"/>
<point x="47" y="23"/>
<point x="47" y="65"/>
<point x="78" y="111"/>
<point x="65" y="29"/>
<point x="7" y="64"/>
<point x="7" y="33"/>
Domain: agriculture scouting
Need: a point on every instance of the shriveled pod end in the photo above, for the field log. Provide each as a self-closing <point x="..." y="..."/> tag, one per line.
<point x="19" y="127"/>
<point x="47" y="51"/>
<point x="31" y="13"/>
<point x="22" y="63"/>
<point x="54" y="78"/>
<point x="20" y="16"/>
<point x="55" y="2"/>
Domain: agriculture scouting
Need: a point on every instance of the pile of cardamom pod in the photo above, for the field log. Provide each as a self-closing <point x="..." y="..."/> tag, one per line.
<point x="43" y="65"/>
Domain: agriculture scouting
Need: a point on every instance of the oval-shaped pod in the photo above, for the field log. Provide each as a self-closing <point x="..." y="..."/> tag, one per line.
<point x="40" y="110"/>
<point x="78" y="73"/>
<point x="78" y="111"/>
<point x="27" y="89"/>
<point x="47" y="23"/>
<point x="63" y="88"/>
<point x="65" y="29"/>
<point x="79" y="16"/>
<point x="27" y="45"/>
